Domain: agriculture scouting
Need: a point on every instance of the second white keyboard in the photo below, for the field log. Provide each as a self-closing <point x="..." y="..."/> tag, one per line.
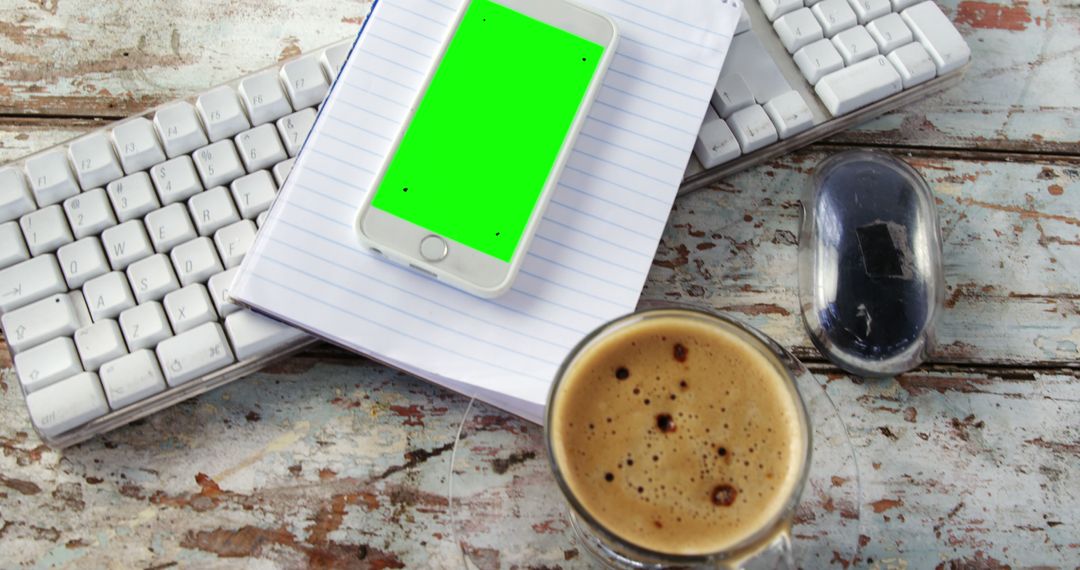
<point x="800" y="70"/>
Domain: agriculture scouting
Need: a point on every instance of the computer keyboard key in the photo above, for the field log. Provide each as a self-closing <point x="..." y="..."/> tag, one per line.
<point x="731" y="94"/>
<point x="790" y="114"/>
<point x="333" y="58"/>
<point x="901" y="5"/>
<point x="99" y="343"/>
<point x="219" y="286"/>
<point x="233" y="242"/>
<point x="45" y="230"/>
<point x="254" y="335"/>
<point x="82" y="261"/>
<point x="89" y="213"/>
<point x="282" y="170"/>
<point x="260" y="147"/>
<point x="145" y="326"/>
<point x="834" y="16"/>
<point x="937" y="34"/>
<point x="15" y="197"/>
<point x="797" y="29"/>
<point x="152" y="278"/>
<point x="716" y="144"/>
<point x="12" y="246"/>
<point x="305" y="82"/>
<point x="194" y="353"/>
<point x="212" y="210"/>
<point x="47" y="364"/>
<point x="126" y="243"/>
<point x="773" y="9"/>
<point x="196" y="261"/>
<point x="51" y="178"/>
<point x="221" y="113"/>
<point x="218" y="164"/>
<point x="890" y="32"/>
<point x="261" y="219"/>
<point x="753" y="129"/>
<point x="914" y="64"/>
<point x="108" y="296"/>
<point x="132" y="378"/>
<point x="67" y="404"/>
<point x="263" y="98"/>
<point x="867" y="10"/>
<point x="749" y="58"/>
<point x="176" y="180"/>
<point x="254" y="193"/>
<point x="132" y="196"/>
<point x="137" y="145"/>
<point x="40" y="322"/>
<point x="179" y="129"/>
<point x="294" y="129"/>
<point x="78" y="303"/>
<point x="94" y="160"/>
<point x="189" y="307"/>
<point x="30" y="281"/>
<point x="169" y="227"/>
<point x="818" y="60"/>
<point x="855" y="45"/>
<point x="859" y="85"/>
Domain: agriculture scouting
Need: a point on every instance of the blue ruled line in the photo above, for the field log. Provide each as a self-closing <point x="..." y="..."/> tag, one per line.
<point x="384" y="327"/>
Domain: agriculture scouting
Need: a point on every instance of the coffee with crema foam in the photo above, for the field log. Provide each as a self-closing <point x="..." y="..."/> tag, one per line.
<point x="677" y="436"/>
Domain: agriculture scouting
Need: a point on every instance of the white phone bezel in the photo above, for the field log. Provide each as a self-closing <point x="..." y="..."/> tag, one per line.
<point x="463" y="267"/>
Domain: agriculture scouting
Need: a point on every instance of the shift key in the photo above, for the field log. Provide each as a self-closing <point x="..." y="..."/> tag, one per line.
<point x="41" y="321"/>
<point x="194" y="353"/>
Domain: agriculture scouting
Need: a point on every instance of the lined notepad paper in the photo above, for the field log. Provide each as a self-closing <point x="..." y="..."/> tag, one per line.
<point x="593" y="250"/>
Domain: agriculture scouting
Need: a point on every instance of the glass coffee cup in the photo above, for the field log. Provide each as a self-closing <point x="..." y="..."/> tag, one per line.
<point x="679" y="439"/>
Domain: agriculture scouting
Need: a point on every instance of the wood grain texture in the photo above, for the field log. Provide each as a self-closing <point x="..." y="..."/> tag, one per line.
<point x="335" y="462"/>
<point x="331" y="461"/>
<point x="1011" y="235"/>
<point x="114" y="59"/>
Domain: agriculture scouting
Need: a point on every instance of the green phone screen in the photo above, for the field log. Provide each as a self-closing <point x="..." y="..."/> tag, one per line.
<point x="477" y="153"/>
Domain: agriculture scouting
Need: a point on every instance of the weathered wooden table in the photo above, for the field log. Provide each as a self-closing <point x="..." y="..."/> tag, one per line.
<point x="330" y="460"/>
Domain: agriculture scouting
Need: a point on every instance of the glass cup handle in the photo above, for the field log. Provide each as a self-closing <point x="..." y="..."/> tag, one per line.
<point x="774" y="555"/>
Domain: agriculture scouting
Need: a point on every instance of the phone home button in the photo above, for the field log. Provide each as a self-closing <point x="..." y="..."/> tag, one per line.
<point x="434" y="248"/>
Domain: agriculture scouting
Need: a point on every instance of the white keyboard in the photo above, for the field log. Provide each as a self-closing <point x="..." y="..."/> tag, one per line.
<point x="801" y="70"/>
<point x="118" y="249"/>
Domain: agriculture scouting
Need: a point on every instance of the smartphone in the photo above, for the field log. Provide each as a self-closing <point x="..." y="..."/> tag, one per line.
<point x="469" y="176"/>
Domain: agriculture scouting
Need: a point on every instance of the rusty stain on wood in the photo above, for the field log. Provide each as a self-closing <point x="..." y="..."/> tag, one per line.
<point x="993" y="16"/>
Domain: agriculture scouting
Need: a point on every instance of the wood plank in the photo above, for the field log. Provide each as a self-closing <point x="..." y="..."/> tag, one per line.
<point x="111" y="59"/>
<point x="1011" y="235"/>
<point x="1012" y="246"/>
<point x="84" y="58"/>
<point x="1019" y="93"/>
<point x="321" y="462"/>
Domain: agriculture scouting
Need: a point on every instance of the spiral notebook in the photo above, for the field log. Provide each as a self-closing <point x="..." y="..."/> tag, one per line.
<point x="593" y="250"/>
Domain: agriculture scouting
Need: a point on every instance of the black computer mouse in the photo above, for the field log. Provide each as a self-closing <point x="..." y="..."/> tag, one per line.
<point x="870" y="263"/>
